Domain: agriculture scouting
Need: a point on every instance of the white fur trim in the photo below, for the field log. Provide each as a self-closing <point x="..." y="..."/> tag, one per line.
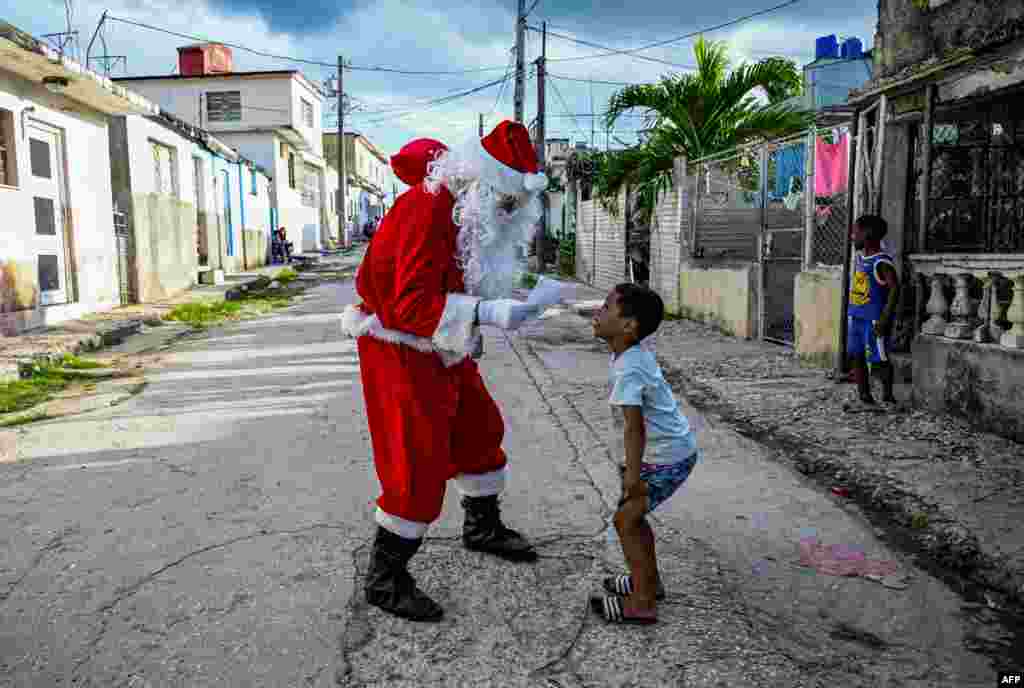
<point x="455" y="331"/>
<point x="536" y="182"/>
<point x="356" y="323"/>
<point x="482" y="484"/>
<point x="410" y="530"/>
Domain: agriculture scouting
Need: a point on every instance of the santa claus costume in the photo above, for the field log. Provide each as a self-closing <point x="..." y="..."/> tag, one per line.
<point x="444" y="260"/>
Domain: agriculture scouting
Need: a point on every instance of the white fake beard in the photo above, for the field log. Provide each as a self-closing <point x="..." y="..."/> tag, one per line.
<point x="490" y="241"/>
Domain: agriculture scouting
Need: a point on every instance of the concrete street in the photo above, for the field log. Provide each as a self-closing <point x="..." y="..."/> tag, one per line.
<point x="213" y="530"/>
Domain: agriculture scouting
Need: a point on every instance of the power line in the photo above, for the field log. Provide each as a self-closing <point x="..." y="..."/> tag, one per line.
<point x="566" y="108"/>
<point x="659" y="44"/>
<point x="598" y="81"/>
<point x="288" y="58"/>
<point x="604" y="47"/>
<point x="504" y="84"/>
<point x="440" y="101"/>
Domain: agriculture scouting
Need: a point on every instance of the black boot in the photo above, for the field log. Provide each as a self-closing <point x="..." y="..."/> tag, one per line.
<point x="390" y="586"/>
<point x="484" y="532"/>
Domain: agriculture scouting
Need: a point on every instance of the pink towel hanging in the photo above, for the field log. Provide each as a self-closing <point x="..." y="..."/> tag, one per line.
<point x="831" y="166"/>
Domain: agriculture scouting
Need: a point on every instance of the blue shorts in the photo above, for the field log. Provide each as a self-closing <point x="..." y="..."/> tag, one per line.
<point x="861" y="341"/>
<point x="664" y="479"/>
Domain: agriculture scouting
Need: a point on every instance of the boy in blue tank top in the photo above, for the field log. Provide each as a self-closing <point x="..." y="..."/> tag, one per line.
<point x="874" y="295"/>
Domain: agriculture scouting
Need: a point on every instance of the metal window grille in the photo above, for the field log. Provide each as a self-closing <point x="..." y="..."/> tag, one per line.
<point x="976" y="186"/>
<point x="224" y="106"/>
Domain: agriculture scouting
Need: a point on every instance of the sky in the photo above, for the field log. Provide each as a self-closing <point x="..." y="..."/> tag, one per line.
<point x="418" y="35"/>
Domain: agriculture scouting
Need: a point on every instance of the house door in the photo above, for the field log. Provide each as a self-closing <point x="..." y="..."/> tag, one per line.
<point x="47" y="185"/>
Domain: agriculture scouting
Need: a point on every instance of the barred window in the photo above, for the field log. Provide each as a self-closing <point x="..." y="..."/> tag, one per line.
<point x="307" y="112"/>
<point x="165" y="178"/>
<point x="311" y="187"/>
<point x="224" y="106"/>
<point x="976" y="185"/>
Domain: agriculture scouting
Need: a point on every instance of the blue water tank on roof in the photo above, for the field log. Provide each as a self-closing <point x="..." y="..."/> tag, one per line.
<point x="826" y="47"/>
<point x="853" y="49"/>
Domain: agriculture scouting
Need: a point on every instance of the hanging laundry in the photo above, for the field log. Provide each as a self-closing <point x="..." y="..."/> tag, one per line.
<point x="831" y="166"/>
<point x="789" y="163"/>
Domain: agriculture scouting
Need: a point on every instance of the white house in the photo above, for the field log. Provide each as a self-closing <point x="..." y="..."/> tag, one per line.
<point x="369" y="177"/>
<point x="271" y="117"/>
<point x="189" y="204"/>
<point x="58" y="251"/>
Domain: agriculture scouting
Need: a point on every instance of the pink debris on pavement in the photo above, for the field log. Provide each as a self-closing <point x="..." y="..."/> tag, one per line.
<point x="841" y="560"/>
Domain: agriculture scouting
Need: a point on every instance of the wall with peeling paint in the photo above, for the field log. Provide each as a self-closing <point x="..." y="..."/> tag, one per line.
<point x="911" y="32"/>
<point x="983" y="383"/>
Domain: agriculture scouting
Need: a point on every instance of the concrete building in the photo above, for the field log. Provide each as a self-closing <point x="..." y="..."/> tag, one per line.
<point x="271" y="117"/>
<point x="58" y="250"/>
<point x="368" y="176"/>
<point x="191" y="207"/>
<point x="941" y="135"/>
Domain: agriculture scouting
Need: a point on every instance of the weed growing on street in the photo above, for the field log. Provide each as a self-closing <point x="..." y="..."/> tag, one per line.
<point x="45" y="380"/>
<point x="286" y="276"/>
<point x="529" y="280"/>
<point x="203" y="314"/>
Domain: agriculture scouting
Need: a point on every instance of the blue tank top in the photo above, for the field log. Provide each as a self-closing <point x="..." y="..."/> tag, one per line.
<point x="868" y="296"/>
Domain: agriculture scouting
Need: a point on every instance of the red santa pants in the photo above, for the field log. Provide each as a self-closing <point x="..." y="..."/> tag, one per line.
<point x="428" y="424"/>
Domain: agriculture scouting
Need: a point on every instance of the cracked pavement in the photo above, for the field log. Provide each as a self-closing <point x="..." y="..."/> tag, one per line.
<point x="213" y="531"/>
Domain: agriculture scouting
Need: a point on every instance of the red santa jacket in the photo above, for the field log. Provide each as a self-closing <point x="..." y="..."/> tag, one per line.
<point x="410" y="284"/>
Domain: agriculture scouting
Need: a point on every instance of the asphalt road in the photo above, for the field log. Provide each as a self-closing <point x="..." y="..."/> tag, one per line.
<point x="213" y="530"/>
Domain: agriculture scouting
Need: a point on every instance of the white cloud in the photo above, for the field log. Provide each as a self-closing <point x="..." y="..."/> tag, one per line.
<point x="419" y="36"/>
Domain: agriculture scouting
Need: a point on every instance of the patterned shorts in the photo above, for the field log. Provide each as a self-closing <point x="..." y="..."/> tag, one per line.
<point x="664" y="479"/>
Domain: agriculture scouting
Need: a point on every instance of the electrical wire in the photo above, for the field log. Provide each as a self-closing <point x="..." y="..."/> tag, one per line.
<point x="603" y="47"/>
<point x="598" y="81"/>
<point x="439" y="101"/>
<point x="658" y="44"/>
<point x="576" y="122"/>
<point x="287" y="58"/>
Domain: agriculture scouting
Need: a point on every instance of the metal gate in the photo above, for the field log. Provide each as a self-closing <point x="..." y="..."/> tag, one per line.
<point x="124" y="254"/>
<point x="782" y="239"/>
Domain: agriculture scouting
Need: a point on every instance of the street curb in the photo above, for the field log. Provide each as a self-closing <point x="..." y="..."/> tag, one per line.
<point x="949" y="547"/>
<point x="237" y="293"/>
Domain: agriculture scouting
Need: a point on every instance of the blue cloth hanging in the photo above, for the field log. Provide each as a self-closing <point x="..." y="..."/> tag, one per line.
<point x="789" y="163"/>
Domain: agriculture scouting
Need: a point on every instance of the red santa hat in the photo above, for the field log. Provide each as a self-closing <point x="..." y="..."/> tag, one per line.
<point x="512" y="159"/>
<point x="410" y="163"/>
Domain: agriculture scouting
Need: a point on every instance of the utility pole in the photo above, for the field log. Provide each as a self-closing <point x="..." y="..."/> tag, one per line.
<point x="342" y="203"/>
<point x="520" y="57"/>
<point x="481" y="125"/>
<point x="541" y="242"/>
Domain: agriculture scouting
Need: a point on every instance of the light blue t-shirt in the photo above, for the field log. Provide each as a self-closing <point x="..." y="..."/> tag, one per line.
<point x="636" y="380"/>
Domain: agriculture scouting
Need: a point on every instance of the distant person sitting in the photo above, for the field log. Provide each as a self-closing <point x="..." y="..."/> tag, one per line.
<point x="286" y="246"/>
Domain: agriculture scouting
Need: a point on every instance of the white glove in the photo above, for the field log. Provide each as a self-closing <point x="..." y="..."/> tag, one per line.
<point x="508" y="314"/>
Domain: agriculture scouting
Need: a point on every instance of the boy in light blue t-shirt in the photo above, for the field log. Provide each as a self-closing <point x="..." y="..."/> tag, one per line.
<point x="660" y="448"/>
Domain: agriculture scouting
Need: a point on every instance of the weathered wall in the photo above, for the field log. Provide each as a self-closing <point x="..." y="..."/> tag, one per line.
<point x="912" y="31"/>
<point x="983" y="383"/>
<point x="257" y="248"/>
<point x="723" y="297"/>
<point x="601" y="244"/>
<point x="165" y="254"/>
<point x="817" y="302"/>
<point x="670" y="236"/>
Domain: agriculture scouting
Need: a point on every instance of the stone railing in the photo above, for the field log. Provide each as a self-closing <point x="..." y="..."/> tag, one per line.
<point x="987" y="291"/>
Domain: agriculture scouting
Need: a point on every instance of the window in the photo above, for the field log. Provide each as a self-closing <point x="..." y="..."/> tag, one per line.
<point x="252" y="186"/>
<point x="39" y="157"/>
<point x="46" y="216"/>
<point x="165" y="177"/>
<point x="224" y="106"/>
<point x="976" y="189"/>
<point x="291" y="170"/>
<point x="307" y="112"/>
<point x="310" y="187"/>
<point x="8" y="167"/>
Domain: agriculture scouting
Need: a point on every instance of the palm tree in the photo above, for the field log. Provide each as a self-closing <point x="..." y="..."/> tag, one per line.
<point x="709" y="111"/>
